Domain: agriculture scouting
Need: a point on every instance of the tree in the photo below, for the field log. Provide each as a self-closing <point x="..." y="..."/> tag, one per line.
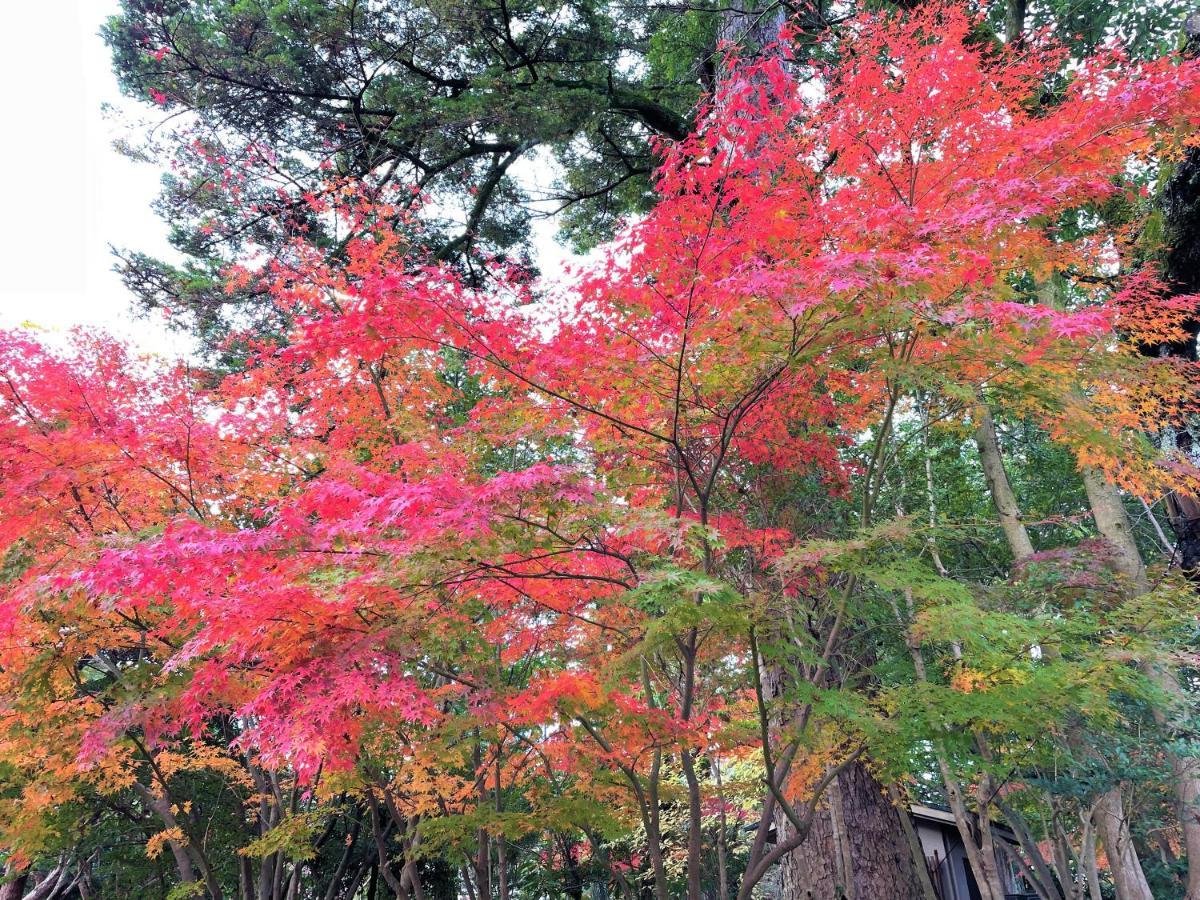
<point x="454" y="99"/>
<point x="472" y="581"/>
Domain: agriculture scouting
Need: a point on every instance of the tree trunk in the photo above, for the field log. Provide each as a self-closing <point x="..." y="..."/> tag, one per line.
<point x="980" y="856"/>
<point x="915" y="850"/>
<point x="1185" y="780"/>
<point x="501" y="849"/>
<point x="1181" y="205"/>
<point x="695" y="851"/>
<point x="183" y="861"/>
<point x="14" y="889"/>
<point x="1113" y="524"/>
<point x="856" y="849"/>
<point x="1113" y="828"/>
<point x="1003" y="498"/>
<point x="1014" y="21"/>
<point x="1181" y="208"/>
<point x="722" y="826"/>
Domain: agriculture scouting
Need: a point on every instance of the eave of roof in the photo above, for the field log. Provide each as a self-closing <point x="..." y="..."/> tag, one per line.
<point x="945" y="817"/>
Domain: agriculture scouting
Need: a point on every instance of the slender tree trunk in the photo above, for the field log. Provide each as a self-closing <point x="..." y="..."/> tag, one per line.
<point x="1007" y="509"/>
<point x="331" y="891"/>
<point x="1113" y="827"/>
<point x="183" y="859"/>
<point x="380" y="834"/>
<point x="501" y="849"/>
<point x="653" y="832"/>
<point x="54" y="885"/>
<point x="980" y="856"/>
<point x="1110" y="515"/>
<point x="411" y="878"/>
<point x="722" y="843"/>
<point x="1049" y="884"/>
<point x="483" y="854"/>
<point x="1113" y="524"/>
<point x="988" y="851"/>
<point x="1185" y="780"/>
<point x="648" y="800"/>
<point x="277" y="881"/>
<point x="1181" y="205"/>
<point x="1112" y="823"/>
<point x="1091" y="869"/>
<point x="1114" y="830"/>
<point x="465" y="871"/>
<point x="373" y="883"/>
<point x="245" y="880"/>
<point x="916" y="851"/>
<point x="695" y="858"/>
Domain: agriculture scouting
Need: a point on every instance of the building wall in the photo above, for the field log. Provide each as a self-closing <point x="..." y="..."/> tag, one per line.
<point x="947" y="860"/>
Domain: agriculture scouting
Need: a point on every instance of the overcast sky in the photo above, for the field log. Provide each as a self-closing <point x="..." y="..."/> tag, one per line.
<point x="68" y="194"/>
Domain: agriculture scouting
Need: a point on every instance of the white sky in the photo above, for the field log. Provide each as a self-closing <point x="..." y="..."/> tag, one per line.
<point x="68" y="194"/>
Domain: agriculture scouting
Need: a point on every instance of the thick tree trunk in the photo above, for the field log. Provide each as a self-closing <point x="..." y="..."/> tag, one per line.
<point x="14" y="889"/>
<point x="856" y="849"/>
<point x="1014" y="21"/>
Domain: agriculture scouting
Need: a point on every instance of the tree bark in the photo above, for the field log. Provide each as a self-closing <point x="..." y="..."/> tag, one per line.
<point x="1112" y="522"/>
<point x="14" y="889"/>
<point x="1007" y="509"/>
<point x="980" y="856"/>
<point x="1088" y="858"/>
<point x="159" y="805"/>
<point x="722" y="826"/>
<point x="915" y="850"/>
<point x="1113" y="827"/>
<point x="501" y="849"/>
<point x="856" y="849"/>
<point x="1014" y="21"/>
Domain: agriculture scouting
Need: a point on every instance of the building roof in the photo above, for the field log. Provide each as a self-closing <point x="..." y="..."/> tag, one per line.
<point x="943" y="816"/>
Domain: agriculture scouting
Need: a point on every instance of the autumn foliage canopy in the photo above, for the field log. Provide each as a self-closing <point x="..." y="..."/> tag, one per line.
<point x="610" y="573"/>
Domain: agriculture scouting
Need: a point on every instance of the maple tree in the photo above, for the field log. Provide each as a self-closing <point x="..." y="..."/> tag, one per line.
<point x="520" y="596"/>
